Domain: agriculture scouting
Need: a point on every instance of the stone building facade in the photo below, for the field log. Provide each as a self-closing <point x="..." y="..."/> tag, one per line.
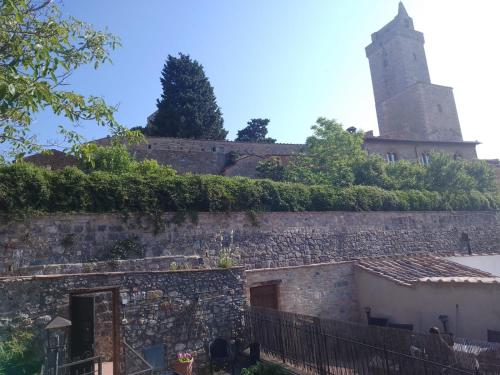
<point x="325" y="290"/>
<point x="421" y="115"/>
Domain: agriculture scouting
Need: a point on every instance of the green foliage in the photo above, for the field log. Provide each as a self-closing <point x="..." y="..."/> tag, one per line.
<point x="125" y="249"/>
<point x="26" y="188"/>
<point x="188" y="108"/>
<point x="255" y="131"/>
<point x="225" y="260"/>
<point x="117" y="159"/>
<point x="40" y="49"/>
<point x="335" y="157"/>
<point x="18" y="355"/>
<point x="272" y="168"/>
<point x="328" y="158"/>
<point x="264" y="369"/>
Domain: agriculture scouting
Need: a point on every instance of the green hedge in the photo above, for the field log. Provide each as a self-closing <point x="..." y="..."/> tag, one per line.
<point x="24" y="187"/>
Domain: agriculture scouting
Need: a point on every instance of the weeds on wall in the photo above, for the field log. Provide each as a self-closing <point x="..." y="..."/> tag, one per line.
<point x="125" y="249"/>
<point x="228" y="253"/>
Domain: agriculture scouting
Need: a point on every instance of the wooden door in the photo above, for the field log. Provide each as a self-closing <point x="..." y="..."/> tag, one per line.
<point x="264" y="296"/>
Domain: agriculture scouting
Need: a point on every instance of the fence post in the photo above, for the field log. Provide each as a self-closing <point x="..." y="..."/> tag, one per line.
<point x="281" y="343"/>
<point x="99" y="366"/>
<point x="386" y="360"/>
<point x="319" y="355"/>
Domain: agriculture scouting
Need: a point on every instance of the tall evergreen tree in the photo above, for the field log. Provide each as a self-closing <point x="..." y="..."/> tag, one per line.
<point x="255" y="131"/>
<point x="187" y="108"/>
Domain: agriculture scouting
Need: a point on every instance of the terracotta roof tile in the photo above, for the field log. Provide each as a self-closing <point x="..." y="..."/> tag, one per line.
<point x="409" y="269"/>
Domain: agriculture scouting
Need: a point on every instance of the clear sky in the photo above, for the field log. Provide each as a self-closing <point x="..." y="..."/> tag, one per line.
<point x="290" y="60"/>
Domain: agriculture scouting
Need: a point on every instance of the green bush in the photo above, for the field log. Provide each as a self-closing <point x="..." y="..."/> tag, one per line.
<point x="26" y="188"/>
<point x="18" y="355"/>
<point x="264" y="369"/>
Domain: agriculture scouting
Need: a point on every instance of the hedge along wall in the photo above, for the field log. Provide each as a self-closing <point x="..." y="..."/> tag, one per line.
<point x="26" y="188"/>
<point x="259" y="240"/>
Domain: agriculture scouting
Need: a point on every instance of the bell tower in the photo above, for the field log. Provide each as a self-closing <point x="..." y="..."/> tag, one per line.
<point x="408" y="105"/>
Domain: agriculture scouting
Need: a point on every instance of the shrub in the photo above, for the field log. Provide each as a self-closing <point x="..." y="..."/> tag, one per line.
<point x="25" y="188"/>
<point x="18" y="354"/>
<point x="264" y="369"/>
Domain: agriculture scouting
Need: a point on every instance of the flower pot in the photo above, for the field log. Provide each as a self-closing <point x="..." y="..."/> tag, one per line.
<point x="183" y="368"/>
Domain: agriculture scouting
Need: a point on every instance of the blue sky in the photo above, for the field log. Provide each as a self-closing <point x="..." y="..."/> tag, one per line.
<point x="290" y="61"/>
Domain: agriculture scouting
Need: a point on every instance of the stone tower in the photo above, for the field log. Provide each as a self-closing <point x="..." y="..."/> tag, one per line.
<point x="408" y="105"/>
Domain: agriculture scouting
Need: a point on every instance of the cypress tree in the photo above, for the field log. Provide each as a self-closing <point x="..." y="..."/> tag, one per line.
<point x="255" y="131"/>
<point x="187" y="108"/>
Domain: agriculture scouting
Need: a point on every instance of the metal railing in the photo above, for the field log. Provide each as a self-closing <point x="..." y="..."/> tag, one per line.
<point x="87" y="366"/>
<point x="135" y="364"/>
<point x="329" y="347"/>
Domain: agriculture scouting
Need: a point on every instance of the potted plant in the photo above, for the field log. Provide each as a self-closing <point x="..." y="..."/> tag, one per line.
<point x="184" y="364"/>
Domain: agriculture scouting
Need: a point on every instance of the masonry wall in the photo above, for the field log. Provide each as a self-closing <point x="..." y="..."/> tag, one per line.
<point x="413" y="150"/>
<point x="183" y="310"/>
<point x="263" y="240"/>
<point x="323" y="290"/>
<point x="206" y="156"/>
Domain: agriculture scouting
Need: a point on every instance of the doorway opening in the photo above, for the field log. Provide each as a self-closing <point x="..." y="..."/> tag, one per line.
<point x="95" y="330"/>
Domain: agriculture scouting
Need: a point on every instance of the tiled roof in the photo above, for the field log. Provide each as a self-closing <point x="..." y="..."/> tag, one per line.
<point x="409" y="269"/>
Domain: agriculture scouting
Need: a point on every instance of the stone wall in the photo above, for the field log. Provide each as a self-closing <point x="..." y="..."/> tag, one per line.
<point x="261" y="240"/>
<point x="323" y="290"/>
<point x="183" y="310"/>
<point x="205" y="156"/>
<point x="161" y="263"/>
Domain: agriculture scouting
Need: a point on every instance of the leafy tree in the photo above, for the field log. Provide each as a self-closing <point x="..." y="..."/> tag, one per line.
<point x="333" y="156"/>
<point x="328" y="157"/>
<point x="187" y="108"/>
<point x="117" y="159"/>
<point x="271" y="168"/>
<point x="39" y="50"/>
<point x="255" y="131"/>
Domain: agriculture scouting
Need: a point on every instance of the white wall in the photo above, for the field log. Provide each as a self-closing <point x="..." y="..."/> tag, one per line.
<point x="472" y="308"/>
<point x="487" y="263"/>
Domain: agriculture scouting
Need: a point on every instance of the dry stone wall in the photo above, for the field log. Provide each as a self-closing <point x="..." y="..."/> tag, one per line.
<point x="183" y="310"/>
<point x="261" y="240"/>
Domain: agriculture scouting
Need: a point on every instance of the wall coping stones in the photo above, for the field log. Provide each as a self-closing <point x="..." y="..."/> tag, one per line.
<point x="106" y="274"/>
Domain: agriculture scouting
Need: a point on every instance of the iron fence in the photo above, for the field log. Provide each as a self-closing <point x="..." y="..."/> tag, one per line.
<point x="329" y="347"/>
<point x="135" y="364"/>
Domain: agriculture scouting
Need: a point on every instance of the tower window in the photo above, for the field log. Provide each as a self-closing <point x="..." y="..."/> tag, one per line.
<point x="391" y="157"/>
<point x="424" y="158"/>
<point x="386" y="63"/>
<point x="149" y="147"/>
<point x="407" y="23"/>
<point x="457" y="156"/>
<point x="414" y="56"/>
<point x="440" y="108"/>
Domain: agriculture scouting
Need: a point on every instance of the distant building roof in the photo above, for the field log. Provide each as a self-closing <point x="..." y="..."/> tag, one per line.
<point x="409" y="269"/>
<point x="55" y="159"/>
